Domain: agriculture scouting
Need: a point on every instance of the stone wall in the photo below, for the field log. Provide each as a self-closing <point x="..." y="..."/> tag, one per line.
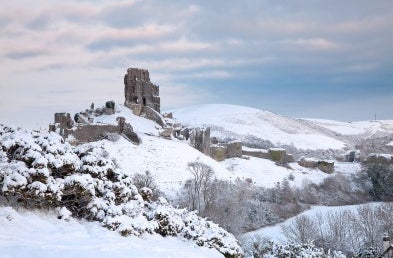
<point x="326" y="166"/>
<point x="349" y="156"/>
<point x="280" y="156"/>
<point x="139" y="90"/>
<point x="63" y="123"/>
<point x="222" y="151"/>
<point x="218" y="152"/>
<point x="262" y="154"/>
<point x="200" y="140"/>
<point x="234" y="149"/>
<point x="87" y="131"/>
<point x="153" y="115"/>
<point x="93" y="132"/>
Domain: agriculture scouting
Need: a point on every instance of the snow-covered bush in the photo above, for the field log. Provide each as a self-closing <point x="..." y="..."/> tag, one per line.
<point x="257" y="247"/>
<point x="172" y="221"/>
<point x="43" y="171"/>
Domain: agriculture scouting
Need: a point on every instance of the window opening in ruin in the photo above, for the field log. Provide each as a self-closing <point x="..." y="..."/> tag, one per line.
<point x="144" y="101"/>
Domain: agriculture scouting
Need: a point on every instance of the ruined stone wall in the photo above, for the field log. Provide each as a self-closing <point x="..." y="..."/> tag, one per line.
<point x="326" y="166"/>
<point x="139" y="90"/>
<point x="262" y="154"/>
<point x="200" y="140"/>
<point x="280" y="156"/>
<point x="93" y="132"/>
<point x="153" y="115"/>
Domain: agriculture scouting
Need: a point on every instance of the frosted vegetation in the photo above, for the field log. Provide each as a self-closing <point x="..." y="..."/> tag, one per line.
<point x="356" y="230"/>
<point x="42" y="171"/>
<point x="89" y="181"/>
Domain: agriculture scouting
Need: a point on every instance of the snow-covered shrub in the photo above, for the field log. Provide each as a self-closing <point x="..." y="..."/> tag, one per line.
<point x="43" y="171"/>
<point x="172" y="221"/>
<point x="263" y="247"/>
<point x="168" y="219"/>
<point x="368" y="252"/>
<point x="64" y="214"/>
<point x="146" y="180"/>
<point x="146" y="193"/>
<point x="302" y="250"/>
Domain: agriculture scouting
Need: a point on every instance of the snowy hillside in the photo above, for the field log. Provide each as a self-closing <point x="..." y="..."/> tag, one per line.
<point x="366" y="128"/>
<point x="244" y="123"/>
<point x="41" y="170"/>
<point x="167" y="160"/>
<point x="36" y="234"/>
<point x="275" y="232"/>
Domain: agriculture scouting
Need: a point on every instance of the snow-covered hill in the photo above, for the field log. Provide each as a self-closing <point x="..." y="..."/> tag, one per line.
<point x="38" y="234"/>
<point x="167" y="160"/>
<point x="244" y="123"/>
<point x="365" y="128"/>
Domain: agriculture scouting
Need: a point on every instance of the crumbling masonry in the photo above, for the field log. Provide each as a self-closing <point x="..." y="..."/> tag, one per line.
<point x="139" y="91"/>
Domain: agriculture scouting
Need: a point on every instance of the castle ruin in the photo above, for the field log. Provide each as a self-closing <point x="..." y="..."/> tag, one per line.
<point x="139" y="91"/>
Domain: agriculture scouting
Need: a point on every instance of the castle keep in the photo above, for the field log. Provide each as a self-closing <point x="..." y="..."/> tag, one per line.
<point x="138" y="90"/>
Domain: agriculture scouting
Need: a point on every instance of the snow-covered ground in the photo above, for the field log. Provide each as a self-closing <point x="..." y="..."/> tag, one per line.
<point x="266" y="173"/>
<point x="36" y="234"/>
<point x="242" y="122"/>
<point x="366" y="128"/>
<point x="167" y="160"/>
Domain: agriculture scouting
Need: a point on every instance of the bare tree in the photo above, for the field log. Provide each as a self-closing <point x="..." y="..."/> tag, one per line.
<point x="369" y="226"/>
<point x="202" y="175"/>
<point x="146" y="180"/>
<point x="302" y="230"/>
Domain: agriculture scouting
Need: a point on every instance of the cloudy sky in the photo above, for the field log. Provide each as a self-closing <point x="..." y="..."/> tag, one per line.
<point x="327" y="59"/>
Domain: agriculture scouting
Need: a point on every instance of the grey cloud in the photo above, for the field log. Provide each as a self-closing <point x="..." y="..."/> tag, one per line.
<point x="25" y="54"/>
<point x="108" y="44"/>
<point x="257" y="52"/>
<point x="142" y="12"/>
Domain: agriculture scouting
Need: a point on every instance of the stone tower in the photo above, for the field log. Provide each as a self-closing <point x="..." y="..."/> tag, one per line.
<point x="138" y="89"/>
